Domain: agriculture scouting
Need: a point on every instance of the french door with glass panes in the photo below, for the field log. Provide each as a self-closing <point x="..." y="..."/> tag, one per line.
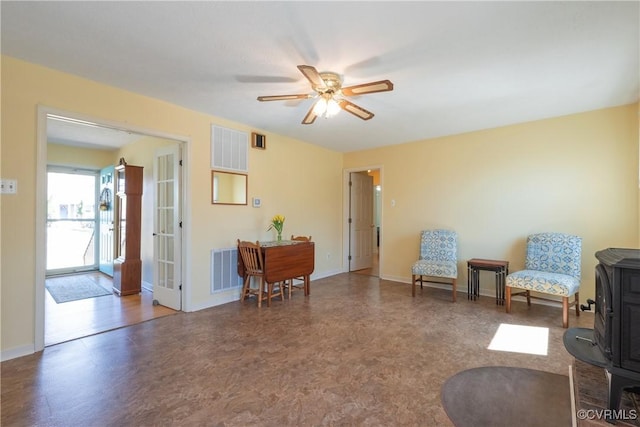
<point x="167" y="282"/>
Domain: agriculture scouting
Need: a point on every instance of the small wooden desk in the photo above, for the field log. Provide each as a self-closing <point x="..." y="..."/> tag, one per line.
<point x="285" y="260"/>
<point x="500" y="268"/>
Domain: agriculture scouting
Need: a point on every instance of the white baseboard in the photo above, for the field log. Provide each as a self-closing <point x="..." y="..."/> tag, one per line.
<point x="326" y="274"/>
<point x="219" y="299"/>
<point x="396" y="279"/>
<point x="13" y="353"/>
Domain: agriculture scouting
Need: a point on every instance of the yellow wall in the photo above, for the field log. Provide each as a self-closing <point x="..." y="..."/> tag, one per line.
<point x="307" y="194"/>
<point x="376" y="176"/>
<point x="64" y="155"/>
<point x="576" y="174"/>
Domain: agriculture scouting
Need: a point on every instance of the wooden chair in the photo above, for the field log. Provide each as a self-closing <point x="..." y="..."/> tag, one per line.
<point x="298" y="282"/>
<point x="254" y="267"/>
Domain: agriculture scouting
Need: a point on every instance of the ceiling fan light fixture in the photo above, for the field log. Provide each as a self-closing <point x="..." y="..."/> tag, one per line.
<point x="333" y="108"/>
<point x="326" y="106"/>
<point x="321" y="107"/>
<point x="327" y="86"/>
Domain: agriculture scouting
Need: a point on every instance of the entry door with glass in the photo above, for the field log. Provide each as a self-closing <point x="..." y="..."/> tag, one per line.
<point x="71" y="220"/>
<point x="106" y="217"/>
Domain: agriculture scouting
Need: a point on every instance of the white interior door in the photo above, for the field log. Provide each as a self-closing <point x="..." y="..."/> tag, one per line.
<point x="167" y="277"/>
<point x="361" y="211"/>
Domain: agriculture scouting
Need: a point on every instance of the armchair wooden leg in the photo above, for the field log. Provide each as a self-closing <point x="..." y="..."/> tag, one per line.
<point x="413" y="285"/>
<point x="528" y="298"/>
<point x="508" y="298"/>
<point x="454" y="290"/>
<point x="577" y="304"/>
<point x="565" y="312"/>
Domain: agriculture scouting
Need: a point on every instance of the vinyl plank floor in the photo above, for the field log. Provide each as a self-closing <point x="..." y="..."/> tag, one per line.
<point x="359" y="351"/>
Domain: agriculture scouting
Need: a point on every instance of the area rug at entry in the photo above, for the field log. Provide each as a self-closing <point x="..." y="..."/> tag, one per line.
<point x="75" y="290"/>
<point x="495" y="396"/>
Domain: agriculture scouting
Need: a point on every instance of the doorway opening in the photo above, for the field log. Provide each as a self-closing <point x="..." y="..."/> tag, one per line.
<point x="70" y="252"/>
<point x="79" y="300"/>
<point x="72" y="244"/>
<point x="363" y="218"/>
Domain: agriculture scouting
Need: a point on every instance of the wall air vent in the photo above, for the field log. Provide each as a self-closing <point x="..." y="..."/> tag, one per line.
<point x="224" y="270"/>
<point x="229" y="149"/>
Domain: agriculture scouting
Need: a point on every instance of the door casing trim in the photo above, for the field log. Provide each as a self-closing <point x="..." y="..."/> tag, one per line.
<point x="43" y="112"/>
<point x="346" y="212"/>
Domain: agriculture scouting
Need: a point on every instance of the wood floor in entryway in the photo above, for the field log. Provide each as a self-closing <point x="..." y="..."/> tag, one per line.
<point x="76" y="319"/>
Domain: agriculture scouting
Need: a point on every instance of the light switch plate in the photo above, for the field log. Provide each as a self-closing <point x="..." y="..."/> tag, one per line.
<point x="8" y="186"/>
<point x="256" y="202"/>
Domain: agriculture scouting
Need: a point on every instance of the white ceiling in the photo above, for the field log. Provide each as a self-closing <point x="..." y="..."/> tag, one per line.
<point x="456" y="66"/>
<point x="88" y="135"/>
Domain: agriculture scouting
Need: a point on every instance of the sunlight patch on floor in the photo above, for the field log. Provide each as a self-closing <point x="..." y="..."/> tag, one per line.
<point x="521" y="339"/>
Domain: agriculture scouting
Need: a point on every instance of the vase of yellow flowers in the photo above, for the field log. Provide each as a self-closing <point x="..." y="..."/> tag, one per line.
<point x="277" y="222"/>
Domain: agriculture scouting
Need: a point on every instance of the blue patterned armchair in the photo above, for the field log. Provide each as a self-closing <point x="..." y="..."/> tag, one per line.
<point x="552" y="266"/>
<point x="438" y="258"/>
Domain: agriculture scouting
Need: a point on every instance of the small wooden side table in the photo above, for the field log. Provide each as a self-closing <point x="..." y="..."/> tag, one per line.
<point x="500" y="268"/>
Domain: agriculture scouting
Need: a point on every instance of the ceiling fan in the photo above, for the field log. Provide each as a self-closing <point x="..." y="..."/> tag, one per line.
<point x="329" y="93"/>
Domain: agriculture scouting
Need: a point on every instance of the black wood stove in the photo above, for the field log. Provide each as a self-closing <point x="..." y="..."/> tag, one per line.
<point x="614" y="341"/>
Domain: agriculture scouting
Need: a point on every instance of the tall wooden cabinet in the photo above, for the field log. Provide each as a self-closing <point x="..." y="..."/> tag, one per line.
<point x="127" y="265"/>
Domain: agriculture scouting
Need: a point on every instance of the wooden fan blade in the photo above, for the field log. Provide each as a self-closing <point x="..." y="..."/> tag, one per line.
<point x="379" y="86"/>
<point x="352" y="108"/>
<point x="311" y="116"/>
<point x="283" y="97"/>
<point x="312" y="75"/>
